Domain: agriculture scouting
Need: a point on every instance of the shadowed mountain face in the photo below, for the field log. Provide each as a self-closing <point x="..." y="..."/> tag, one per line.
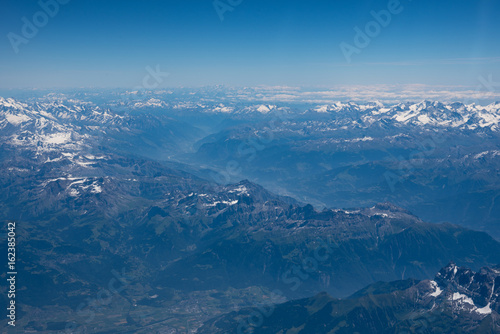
<point x="458" y="300"/>
<point x="112" y="238"/>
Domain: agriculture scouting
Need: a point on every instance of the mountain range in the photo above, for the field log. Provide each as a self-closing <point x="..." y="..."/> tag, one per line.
<point x="203" y="208"/>
<point x="457" y="300"/>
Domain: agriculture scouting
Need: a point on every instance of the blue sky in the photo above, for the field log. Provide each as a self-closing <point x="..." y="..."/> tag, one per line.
<point x="109" y="43"/>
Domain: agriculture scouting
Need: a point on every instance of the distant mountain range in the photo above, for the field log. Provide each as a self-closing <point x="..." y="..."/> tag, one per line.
<point x="423" y="114"/>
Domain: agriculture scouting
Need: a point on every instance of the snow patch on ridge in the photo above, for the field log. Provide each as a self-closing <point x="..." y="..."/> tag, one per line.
<point x="437" y="289"/>
<point x="16" y="119"/>
<point x="484" y="310"/>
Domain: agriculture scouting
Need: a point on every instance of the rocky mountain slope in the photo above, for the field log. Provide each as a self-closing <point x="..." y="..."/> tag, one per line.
<point x="458" y="300"/>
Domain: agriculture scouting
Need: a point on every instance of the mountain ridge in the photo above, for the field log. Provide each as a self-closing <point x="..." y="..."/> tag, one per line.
<point x="444" y="304"/>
